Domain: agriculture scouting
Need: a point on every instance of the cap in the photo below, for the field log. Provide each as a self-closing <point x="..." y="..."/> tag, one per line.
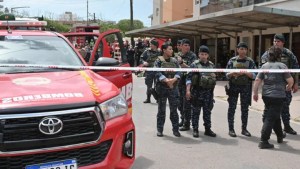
<point x="154" y="42"/>
<point x="204" y="48"/>
<point x="242" y="45"/>
<point x="179" y="42"/>
<point x="279" y="37"/>
<point x="185" y="41"/>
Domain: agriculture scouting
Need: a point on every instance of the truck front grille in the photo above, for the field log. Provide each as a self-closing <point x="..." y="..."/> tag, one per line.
<point x="22" y="132"/>
<point x="84" y="157"/>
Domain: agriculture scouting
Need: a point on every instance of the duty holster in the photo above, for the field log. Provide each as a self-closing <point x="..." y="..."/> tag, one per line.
<point x="211" y="105"/>
<point x="157" y="90"/>
<point x="154" y="93"/>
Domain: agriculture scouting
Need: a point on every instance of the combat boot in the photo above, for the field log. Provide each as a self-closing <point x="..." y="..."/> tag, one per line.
<point x="265" y="145"/>
<point x="176" y="133"/>
<point x="148" y="99"/>
<point x="232" y="133"/>
<point x="209" y="132"/>
<point x="195" y="133"/>
<point x="289" y="129"/>
<point x="245" y="132"/>
<point x="185" y="127"/>
<point x="160" y="134"/>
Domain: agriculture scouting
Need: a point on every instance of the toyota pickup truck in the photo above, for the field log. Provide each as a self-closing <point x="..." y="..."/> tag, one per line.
<point x="55" y="117"/>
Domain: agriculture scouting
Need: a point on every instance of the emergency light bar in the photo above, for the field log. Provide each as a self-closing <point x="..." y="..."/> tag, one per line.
<point x="10" y="20"/>
<point x="23" y="23"/>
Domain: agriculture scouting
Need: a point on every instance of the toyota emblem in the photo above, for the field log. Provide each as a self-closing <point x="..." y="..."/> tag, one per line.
<point x="50" y="125"/>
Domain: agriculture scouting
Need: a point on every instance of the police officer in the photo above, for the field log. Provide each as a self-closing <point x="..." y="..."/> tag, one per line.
<point x="139" y="49"/>
<point x="199" y="89"/>
<point x="290" y="60"/>
<point x="148" y="58"/>
<point x="240" y="83"/>
<point x="178" y="53"/>
<point x="166" y="88"/>
<point x="186" y="59"/>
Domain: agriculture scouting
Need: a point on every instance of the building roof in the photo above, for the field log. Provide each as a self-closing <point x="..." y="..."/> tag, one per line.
<point x="247" y="18"/>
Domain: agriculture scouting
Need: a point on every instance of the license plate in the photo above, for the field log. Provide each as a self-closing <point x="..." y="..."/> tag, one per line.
<point x="66" y="164"/>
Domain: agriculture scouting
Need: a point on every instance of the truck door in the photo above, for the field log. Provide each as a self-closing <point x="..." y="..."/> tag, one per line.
<point x="112" y="41"/>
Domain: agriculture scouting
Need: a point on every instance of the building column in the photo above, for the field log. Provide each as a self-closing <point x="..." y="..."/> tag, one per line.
<point x="291" y="38"/>
<point x="259" y="48"/>
<point x="216" y="50"/>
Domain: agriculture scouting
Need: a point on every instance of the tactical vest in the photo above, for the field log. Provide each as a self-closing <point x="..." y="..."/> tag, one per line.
<point x="185" y="61"/>
<point x="152" y="56"/>
<point x="286" y="60"/>
<point x="205" y="80"/>
<point x="243" y="79"/>
<point x="165" y="64"/>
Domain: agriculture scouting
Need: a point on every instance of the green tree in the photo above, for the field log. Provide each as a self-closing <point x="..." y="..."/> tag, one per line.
<point x="124" y="25"/>
<point x="57" y="26"/>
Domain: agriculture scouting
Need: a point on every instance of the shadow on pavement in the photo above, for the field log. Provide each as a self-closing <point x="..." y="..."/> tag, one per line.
<point x="191" y="140"/>
<point x="254" y="139"/>
<point x="220" y="140"/>
<point x="142" y="162"/>
<point x="292" y="137"/>
<point x="285" y="147"/>
<point x="181" y="140"/>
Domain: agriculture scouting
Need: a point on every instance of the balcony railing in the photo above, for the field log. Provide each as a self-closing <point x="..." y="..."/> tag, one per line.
<point x="219" y="5"/>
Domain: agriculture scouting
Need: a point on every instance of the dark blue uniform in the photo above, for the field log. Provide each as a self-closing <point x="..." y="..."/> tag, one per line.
<point x="188" y="59"/>
<point x="165" y="92"/>
<point x="202" y="88"/>
<point x="239" y="86"/>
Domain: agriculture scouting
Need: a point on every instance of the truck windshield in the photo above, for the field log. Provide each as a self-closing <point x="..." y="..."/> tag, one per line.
<point x="39" y="50"/>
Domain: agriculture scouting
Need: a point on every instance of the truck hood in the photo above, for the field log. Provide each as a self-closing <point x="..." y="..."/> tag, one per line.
<point x="53" y="88"/>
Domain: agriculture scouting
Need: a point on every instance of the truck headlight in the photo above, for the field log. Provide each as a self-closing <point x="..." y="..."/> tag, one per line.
<point x="114" y="107"/>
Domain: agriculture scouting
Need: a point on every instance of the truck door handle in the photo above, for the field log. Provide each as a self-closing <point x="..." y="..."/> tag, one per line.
<point x="126" y="75"/>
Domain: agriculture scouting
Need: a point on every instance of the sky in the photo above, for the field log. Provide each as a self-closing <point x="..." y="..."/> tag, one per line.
<point x="110" y="10"/>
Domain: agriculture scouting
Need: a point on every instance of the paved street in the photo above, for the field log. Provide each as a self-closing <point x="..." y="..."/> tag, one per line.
<point x="223" y="151"/>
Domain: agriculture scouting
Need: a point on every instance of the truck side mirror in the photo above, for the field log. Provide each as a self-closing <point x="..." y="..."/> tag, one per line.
<point x="104" y="61"/>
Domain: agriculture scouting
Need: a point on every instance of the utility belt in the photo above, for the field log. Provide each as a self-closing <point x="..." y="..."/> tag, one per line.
<point x="240" y="80"/>
<point x="206" y="82"/>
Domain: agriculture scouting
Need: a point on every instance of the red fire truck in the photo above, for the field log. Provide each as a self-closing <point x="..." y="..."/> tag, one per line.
<point x="55" y="117"/>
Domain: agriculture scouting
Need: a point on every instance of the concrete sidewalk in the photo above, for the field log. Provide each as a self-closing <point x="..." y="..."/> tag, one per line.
<point x="259" y="106"/>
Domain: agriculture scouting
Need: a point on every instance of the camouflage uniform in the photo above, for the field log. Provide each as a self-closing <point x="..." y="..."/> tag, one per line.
<point x="178" y="54"/>
<point x="164" y="93"/>
<point x="149" y="56"/>
<point x="188" y="59"/>
<point x="242" y="86"/>
<point x="290" y="60"/>
<point x="202" y="94"/>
